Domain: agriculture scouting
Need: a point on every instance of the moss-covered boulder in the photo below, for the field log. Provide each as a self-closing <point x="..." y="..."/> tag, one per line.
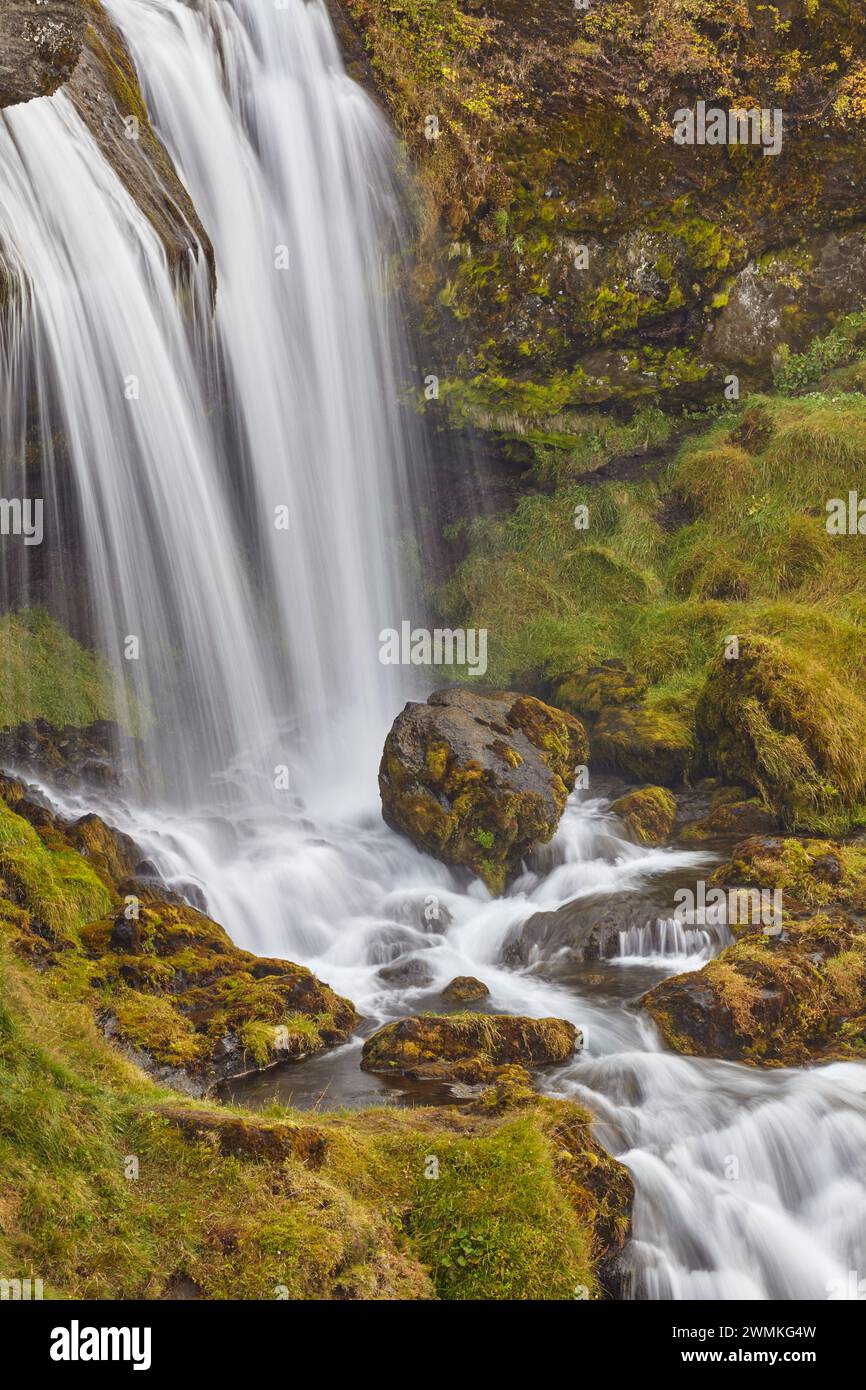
<point x="40" y="41"/>
<point x="464" y="988"/>
<point x="648" y="814"/>
<point x="589" y="690"/>
<point x="784" y="724"/>
<point x="469" y="1048"/>
<point x="480" y="779"/>
<point x="773" y="1000"/>
<point x="809" y="873"/>
<point x="642" y="743"/>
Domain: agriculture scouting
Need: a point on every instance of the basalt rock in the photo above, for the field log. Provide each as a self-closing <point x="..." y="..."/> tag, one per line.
<point x="480" y="779"/>
<point x="69" y="756"/>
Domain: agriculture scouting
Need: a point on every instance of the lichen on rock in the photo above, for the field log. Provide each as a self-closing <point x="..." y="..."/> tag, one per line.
<point x="480" y="779"/>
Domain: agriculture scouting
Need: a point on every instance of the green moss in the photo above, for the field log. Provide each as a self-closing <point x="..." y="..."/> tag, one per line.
<point x="648" y="813"/>
<point x="44" y="674"/>
<point x="59" y="890"/>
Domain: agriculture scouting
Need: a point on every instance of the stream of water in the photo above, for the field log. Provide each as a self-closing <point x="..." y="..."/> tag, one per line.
<point x="259" y="646"/>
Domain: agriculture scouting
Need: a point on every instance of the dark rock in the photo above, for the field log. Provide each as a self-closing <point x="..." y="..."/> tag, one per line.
<point x="40" y="43"/>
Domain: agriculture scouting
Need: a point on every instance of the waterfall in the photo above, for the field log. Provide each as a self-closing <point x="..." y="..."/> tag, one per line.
<point x="242" y="480"/>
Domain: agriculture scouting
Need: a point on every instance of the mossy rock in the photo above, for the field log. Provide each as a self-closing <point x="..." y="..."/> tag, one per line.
<point x="588" y="691"/>
<point x="643" y="744"/>
<point x="733" y="813"/>
<point x="40" y="43"/>
<point x="480" y="779"/>
<point x="234" y="1203"/>
<point x="469" y="1048"/>
<point x="166" y="981"/>
<point x="786" y="726"/>
<point x="464" y="988"/>
<point x="773" y="1001"/>
<point x="648" y="814"/>
<point x="809" y="873"/>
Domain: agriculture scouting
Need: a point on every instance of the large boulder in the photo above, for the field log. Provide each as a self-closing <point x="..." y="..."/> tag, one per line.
<point x="783" y="724"/>
<point x="480" y="779"/>
<point x="469" y="1048"/>
<point x="644" y="743"/>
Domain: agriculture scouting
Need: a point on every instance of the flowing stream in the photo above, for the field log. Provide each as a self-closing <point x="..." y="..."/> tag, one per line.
<point x="258" y="645"/>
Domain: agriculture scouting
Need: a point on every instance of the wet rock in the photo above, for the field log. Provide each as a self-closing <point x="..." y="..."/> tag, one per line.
<point x="464" y="988"/>
<point x="105" y="91"/>
<point x="646" y="744"/>
<point x="40" y="43"/>
<point x="480" y="779"/>
<point x="648" y="814"/>
<point x="733" y="812"/>
<point x="468" y="1048"/>
<point x="406" y="974"/>
<point x="70" y="756"/>
<point x="773" y="1001"/>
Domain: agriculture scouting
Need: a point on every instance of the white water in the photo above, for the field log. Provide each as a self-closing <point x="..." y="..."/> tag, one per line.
<point x="748" y="1184"/>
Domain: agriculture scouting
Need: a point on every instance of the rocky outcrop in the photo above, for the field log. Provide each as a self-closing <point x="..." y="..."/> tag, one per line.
<point x="70" y="756"/>
<point x="573" y="250"/>
<point x="166" y="982"/>
<point x="40" y="43"/>
<point x="106" y="93"/>
<point x="46" y="44"/>
<point x="467" y="1048"/>
<point x="648" y="814"/>
<point x="785" y="992"/>
<point x="480" y="779"/>
<point x="772" y="1001"/>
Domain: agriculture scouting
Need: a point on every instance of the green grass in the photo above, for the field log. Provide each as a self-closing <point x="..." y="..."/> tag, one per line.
<point x="45" y="674"/>
<point x="751" y="553"/>
<point x="498" y="1222"/>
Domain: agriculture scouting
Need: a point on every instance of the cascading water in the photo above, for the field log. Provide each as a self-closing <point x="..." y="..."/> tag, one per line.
<point x="301" y="467"/>
<point x="748" y="1184"/>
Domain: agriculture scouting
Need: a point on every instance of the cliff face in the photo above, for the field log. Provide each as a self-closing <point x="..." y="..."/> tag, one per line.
<point x="572" y="252"/>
